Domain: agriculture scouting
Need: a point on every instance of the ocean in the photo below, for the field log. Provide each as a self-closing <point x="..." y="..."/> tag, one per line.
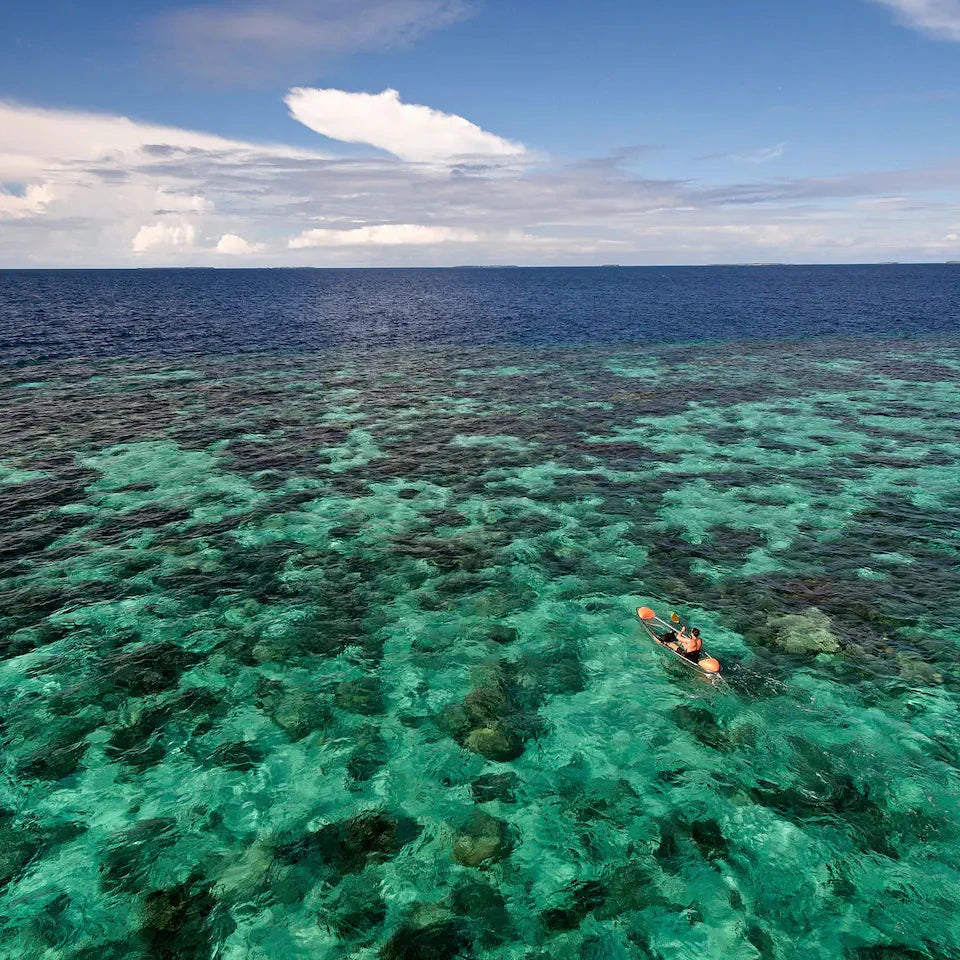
<point x="318" y="630"/>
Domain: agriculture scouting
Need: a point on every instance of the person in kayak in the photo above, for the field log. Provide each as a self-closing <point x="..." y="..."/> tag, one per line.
<point x="686" y="644"/>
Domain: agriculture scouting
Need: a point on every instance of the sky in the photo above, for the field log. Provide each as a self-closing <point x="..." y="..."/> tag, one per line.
<point x="446" y="132"/>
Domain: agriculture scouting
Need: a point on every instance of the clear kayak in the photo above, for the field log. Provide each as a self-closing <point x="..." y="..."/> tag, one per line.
<point x="657" y="628"/>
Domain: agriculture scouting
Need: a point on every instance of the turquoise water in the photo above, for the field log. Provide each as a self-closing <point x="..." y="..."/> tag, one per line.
<point x="336" y="655"/>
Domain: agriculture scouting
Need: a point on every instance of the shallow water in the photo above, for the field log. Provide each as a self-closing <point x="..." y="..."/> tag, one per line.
<point x="336" y="655"/>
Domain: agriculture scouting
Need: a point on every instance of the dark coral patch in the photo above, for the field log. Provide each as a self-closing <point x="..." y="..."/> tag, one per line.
<point x="369" y="753"/>
<point x="350" y="845"/>
<point x="495" y="786"/>
<point x="184" y="922"/>
<point x="577" y="902"/>
<point x="444" y="940"/>
<point x="148" y="668"/>
<point x="131" y="853"/>
<point x="357" y="911"/>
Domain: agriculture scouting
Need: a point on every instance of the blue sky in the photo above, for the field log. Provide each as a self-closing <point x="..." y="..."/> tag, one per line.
<point x="601" y="132"/>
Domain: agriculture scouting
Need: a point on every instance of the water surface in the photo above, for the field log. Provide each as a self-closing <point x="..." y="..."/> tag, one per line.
<point x="332" y="653"/>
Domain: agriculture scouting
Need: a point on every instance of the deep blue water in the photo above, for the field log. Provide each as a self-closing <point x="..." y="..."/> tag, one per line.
<point x="106" y="313"/>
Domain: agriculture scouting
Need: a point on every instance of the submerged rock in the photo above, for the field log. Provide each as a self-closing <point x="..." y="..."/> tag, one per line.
<point x="915" y="670"/>
<point x="485" y="704"/>
<point x="361" y="696"/>
<point x="601" y="798"/>
<point x="494" y="719"/>
<point x="495" y="742"/>
<point x="296" y="709"/>
<point x="483" y="839"/>
<point x="701" y="724"/>
<point x="503" y="634"/>
<point x="454" y="721"/>
<point x="883" y="952"/>
<point x="555" y="671"/>
<point x="807" y="632"/>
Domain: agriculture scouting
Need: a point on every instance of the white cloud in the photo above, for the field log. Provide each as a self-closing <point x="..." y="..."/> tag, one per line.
<point x="32" y="202"/>
<point x="234" y="245"/>
<point x="95" y="180"/>
<point x="30" y="136"/>
<point x="941" y="18"/>
<point x="165" y="238"/>
<point x="383" y="235"/>
<point x="98" y="184"/>
<point x="407" y="130"/>
<point x="182" y="203"/>
<point x="252" y="41"/>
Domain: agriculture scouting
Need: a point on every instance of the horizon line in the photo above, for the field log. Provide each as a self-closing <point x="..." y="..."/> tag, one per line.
<point x="506" y="266"/>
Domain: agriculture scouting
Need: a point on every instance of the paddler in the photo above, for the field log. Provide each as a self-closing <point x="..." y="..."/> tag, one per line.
<point x="687" y="644"/>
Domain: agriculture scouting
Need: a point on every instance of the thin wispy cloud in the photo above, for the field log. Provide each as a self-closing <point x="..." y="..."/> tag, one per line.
<point x="409" y="131"/>
<point x="939" y="18"/>
<point x="619" y="161"/>
<point x="764" y="155"/>
<point x="249" y="42"/>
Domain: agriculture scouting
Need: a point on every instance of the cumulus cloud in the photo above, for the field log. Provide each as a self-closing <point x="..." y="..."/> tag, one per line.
<point x="407" y="130"/>
<point x="253" y="41"/>
<point x="383" y="235"/>
<point x="940" y="18"/>
<point x="165" y="238"/>
<point x="31" y="203"/>
<point x="232" y="244"/>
